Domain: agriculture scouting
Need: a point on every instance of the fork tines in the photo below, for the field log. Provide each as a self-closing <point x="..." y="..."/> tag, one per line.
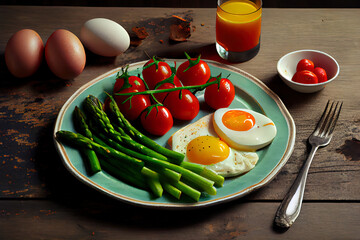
<point x="329" y="118"/>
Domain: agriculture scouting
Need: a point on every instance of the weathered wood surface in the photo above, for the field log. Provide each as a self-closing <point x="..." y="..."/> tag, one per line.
<point x="39" y="219"/>
<point x="31" y="169"/>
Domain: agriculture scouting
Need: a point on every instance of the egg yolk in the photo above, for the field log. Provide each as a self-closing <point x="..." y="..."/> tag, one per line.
<point x="207" y="150"/>
<point x="238" y="120"/>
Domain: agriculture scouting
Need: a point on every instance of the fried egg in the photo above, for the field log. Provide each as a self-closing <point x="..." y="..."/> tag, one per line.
<point x="244" y="129"/>
<point x="200" y="144"/>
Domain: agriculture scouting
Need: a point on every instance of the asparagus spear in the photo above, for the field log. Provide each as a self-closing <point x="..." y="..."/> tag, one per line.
<point x="169" y="174"/>
<point x="91" y="161"/>
<point x="174" y="187"/>
<point x="91" y="104"/>
<point x="123" y="173"/>
<point x="196" y="180"/>
<point x="89" y="154"/>
<point x="203" y="171"/>
<point x="125" y="176"/>
<point x="146" y="178"/>
<point x="103" y="140"/>
<point x="199" y="181"/>
<point x="171" y="189"/>
<point x="154" y="178"/>
<point x="80" y="123"/>
<point x="155" y="186"/>
<point x="186" y="189"/>
<point x="108" y="152"/>
<point x="134" y="133"/>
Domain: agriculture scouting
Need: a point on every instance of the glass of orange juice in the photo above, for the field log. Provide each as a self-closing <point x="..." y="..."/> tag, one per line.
<point x="238" y="29"/>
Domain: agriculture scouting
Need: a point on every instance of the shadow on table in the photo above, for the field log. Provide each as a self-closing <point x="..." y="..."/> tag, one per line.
<point x="288" y="96"/>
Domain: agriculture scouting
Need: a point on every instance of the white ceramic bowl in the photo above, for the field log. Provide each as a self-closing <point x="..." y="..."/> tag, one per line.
<point x="286" y="68"/>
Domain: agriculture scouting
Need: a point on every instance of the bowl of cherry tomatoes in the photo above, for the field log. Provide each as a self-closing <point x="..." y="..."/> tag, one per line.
<point x="307" y="71"/>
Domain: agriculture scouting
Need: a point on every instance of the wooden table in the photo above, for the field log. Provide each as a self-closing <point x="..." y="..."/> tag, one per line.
<point x="40" y="199"/>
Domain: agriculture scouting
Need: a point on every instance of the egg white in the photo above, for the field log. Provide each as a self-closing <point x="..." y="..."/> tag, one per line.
<point x="259" y="136"/>
<point x="238" y="162"/>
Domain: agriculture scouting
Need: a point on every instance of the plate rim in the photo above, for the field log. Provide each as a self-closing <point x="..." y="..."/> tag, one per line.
<point x="266" y="180"/>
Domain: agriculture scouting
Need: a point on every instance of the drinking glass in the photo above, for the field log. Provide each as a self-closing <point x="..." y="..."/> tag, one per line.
<point x="238" y="29"/>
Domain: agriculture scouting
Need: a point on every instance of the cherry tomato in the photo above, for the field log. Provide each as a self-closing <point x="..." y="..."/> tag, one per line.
<point x="220" y="96"/>
<point x="133" y="107"/>
<point x="321" y="74"/>
<point x="305" y="64"/>
<point x="185" y="108"/>
<point x="157" y="120"/>
<point x="161" y="96"/>
<point x="305" y="76"/>
<point x="193" y="72"/>
<point x="156" y="72"/>
<point x="135" y="82"/>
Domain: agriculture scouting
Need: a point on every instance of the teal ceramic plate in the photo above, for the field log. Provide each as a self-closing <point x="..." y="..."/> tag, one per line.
<point x="251" y="93"/>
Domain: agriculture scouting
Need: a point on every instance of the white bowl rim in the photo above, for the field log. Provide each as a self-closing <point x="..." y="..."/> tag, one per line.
<point x="309" y="84"/>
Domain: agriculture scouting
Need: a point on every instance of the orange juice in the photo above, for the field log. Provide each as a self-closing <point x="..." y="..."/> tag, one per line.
<point x="238" y="25"/>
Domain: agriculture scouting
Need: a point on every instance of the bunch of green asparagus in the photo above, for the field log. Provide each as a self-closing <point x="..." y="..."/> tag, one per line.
<point x="110" y="142"/>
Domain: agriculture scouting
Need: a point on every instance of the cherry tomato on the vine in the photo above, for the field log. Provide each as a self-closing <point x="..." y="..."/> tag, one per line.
<point x="131" y="82"/>
<point x="220" y="96"/>
<point x="157" y="120"/>
<point x="193" y="72"/>
<point x="173" y="82"/>
<point x="134" y="106"/>
<point x="305" y="64"/>
<point x="305" y="77"/>
<point x="155" y="71"/>
<point x="321" y="74"/>
<point x="185" y="108"/>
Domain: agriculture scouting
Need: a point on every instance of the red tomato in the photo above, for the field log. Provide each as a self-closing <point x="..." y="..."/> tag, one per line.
<point x="305" y="76"/>
<point x="133" y="107"/>
<point x="185" y="108"/>
<point x="305" y="64"/>
<point x="161" y="96"/>
<point x="321" y="74"/>
<point x="157" y="121"/>
<point x="157" y="72"/>
<point x="220" y="96"/>
<point x="135" y="82"/>
<point x="197" y="74"/>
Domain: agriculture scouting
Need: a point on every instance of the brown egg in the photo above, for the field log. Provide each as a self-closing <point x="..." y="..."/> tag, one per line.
<point x="24" y="53"/>
<point x="65" y="54"/>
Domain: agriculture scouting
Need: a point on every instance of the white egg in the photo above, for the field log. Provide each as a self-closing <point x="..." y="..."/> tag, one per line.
<point x="104" y="37"/>
<point x="200" y="144"/>
<point x="244" y="129"/>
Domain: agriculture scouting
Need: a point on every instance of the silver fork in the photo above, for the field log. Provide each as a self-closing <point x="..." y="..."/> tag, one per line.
<point x="290" y="207"/>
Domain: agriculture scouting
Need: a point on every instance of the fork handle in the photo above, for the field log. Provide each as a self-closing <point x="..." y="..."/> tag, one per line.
<point x="289" y="208"/>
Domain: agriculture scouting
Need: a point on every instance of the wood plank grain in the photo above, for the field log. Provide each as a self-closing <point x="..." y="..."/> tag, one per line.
<point x="31" y="168"/>
<point x="40" y="219"/>
<point x="182" y="3"/>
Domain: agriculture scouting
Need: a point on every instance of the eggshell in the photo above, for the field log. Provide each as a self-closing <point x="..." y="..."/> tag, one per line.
<point x="65" y="54"/>
<point x="24" y="53"/>
<point x="104" y="37"/>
